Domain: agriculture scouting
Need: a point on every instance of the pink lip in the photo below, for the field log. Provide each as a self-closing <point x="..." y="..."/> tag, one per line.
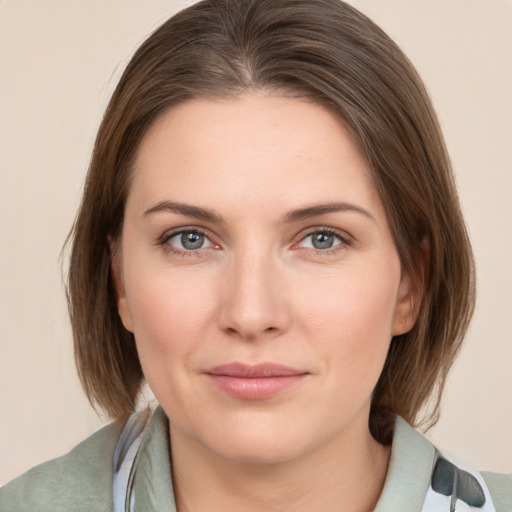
<point x="254" y="382"/>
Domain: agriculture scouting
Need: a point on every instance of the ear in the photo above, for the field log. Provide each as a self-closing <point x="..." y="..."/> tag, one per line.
<point x="410" y="293"/>
<point x="118" y="281"/>
<point x="406" y="307"/>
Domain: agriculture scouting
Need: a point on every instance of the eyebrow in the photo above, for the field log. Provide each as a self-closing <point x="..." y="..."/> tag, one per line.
<point x="324" y="208"/>
<point x="297" y="215"/>
<point x="186" y="209"/>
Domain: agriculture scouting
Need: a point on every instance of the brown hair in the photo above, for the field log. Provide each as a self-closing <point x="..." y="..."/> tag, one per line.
<point x="328" y="52"/>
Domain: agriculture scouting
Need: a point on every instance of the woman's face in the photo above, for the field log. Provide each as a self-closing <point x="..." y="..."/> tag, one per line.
<point x="259" y="275"/>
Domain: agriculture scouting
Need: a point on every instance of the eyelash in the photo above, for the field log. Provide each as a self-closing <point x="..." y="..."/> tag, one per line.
<point x="344" y="240"/>
<point x="164" y="242"/>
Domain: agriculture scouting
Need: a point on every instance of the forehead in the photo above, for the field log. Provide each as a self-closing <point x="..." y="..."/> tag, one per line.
<point x="255" y="147"/>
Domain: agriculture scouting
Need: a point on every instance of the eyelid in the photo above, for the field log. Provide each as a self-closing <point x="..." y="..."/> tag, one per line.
<point x="182" y="229"/>
<point x="344" y="238"/>
<point x="172" y="233"/>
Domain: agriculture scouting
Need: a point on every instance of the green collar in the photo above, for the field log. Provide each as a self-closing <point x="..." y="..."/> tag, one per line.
<point x="406" y="485"/>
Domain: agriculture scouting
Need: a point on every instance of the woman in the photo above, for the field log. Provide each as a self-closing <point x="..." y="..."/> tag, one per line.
<point x="270" y="237"/>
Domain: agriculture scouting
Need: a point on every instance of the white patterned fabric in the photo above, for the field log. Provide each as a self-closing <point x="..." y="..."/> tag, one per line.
<point x="465" y="490"/>
<point x="125" y="453"/>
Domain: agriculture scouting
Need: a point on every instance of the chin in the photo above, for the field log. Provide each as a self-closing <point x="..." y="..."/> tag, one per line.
<point x="257" y="443"/>
<point x="257" y="451"/>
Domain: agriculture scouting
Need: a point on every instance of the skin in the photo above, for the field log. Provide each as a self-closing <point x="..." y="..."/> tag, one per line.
<point x="258" y="290"/>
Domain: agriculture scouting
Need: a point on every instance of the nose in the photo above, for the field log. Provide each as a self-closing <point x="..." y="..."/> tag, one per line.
<point x="254" y="305"/>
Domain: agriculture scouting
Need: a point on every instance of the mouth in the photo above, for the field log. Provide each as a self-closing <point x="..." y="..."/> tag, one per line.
<point x="254" y="382"/>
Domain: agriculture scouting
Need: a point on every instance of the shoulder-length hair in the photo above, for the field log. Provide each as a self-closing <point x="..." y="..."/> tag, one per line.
<point x="332" y="54"/>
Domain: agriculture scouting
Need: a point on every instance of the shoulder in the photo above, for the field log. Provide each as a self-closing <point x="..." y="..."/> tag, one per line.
<point x="79" y="480"/>
<point x="500" y="487"/>
<point x="422" y="478"/>
<point x="455" y="482"/>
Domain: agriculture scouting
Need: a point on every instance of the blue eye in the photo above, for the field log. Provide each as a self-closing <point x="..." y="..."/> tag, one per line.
<point x="322" y="240"/>
<point x="190" y="240"/>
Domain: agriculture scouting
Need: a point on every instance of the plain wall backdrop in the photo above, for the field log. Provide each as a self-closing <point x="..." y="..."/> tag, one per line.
<point x="59" y="62"/>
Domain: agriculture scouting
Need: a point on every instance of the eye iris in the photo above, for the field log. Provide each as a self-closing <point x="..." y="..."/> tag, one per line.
<point x="192" y="240"/>
<point x="322" y="240"/>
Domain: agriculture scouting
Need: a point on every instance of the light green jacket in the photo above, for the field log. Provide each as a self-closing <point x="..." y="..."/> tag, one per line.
<point x="82" y="479"/>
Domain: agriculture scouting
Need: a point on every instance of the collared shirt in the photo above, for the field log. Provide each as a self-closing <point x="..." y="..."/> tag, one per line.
<point x="129" y="469"/>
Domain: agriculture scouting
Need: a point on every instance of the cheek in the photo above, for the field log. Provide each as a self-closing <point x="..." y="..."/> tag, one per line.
<point x="351" y="302"/>
<point x="162" y="305"/>
<point x="170" y="314"/>
<point x="350" y="318"/>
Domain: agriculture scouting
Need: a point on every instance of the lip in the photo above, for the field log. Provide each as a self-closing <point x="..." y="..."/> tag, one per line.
<point x="254" y="382"/>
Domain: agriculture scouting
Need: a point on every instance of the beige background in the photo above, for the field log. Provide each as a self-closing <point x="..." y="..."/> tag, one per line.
<point x="59" y="61"/>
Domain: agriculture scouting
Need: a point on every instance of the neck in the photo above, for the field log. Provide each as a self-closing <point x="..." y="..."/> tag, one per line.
<point x="345" y="474"/>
